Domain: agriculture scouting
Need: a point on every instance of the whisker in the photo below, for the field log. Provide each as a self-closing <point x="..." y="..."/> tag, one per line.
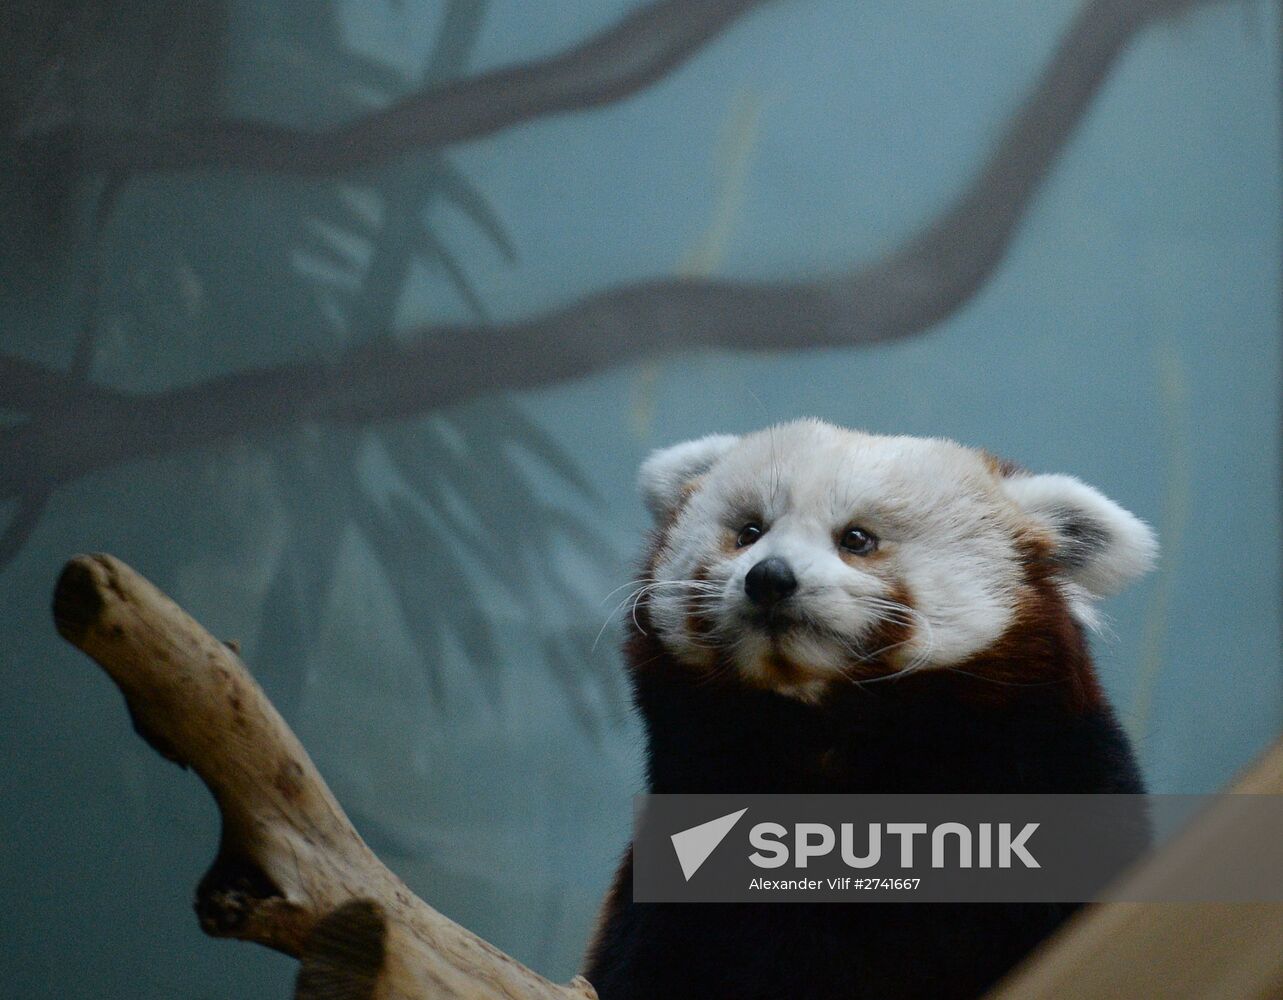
<point x="631" y="583"/>
<point x="651" y="582"/>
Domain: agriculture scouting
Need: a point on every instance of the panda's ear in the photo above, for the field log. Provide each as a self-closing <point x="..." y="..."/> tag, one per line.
<point x="1097" y="544"/>
<point x="665" y="474"/>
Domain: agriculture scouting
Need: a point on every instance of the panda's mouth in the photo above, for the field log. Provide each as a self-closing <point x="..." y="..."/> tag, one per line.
<point x="782" y="626"/>
<point x="778" y="621"/>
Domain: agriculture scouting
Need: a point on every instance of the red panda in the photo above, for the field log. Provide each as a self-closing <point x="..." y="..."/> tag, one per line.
<point x="824" y="610"/>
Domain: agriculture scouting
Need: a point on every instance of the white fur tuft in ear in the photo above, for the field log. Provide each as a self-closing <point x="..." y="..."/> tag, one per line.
<point x="666" y="472"/>
<point x="1100" y="546"/>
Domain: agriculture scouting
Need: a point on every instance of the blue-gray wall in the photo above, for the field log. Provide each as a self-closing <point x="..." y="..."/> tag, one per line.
<point x="1131" y="338"/>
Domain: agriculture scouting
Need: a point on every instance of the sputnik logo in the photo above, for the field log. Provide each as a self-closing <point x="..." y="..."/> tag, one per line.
<point x="693" y="846"/>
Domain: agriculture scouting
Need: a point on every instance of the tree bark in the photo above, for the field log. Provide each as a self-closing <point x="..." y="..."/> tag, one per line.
<point x="291" y="871"/>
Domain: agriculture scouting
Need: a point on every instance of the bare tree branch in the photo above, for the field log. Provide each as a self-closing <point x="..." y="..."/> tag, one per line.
<point x="929" y="278"/>
<point x="636" y="52"/>
<point x="291" y="872"/>
<point x="22" y="523"/>
<point x="29" y="388"/>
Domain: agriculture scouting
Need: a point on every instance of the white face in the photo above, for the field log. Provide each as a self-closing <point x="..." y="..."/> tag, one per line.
<point x="873" y="554"/>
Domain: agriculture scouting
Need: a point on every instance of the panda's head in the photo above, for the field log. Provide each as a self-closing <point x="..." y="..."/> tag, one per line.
<point x="806" y="553"/>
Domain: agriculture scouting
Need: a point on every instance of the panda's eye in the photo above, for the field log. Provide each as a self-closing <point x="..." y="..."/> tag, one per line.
<point x="858" y="542"/>
<point x="750" y="533"/>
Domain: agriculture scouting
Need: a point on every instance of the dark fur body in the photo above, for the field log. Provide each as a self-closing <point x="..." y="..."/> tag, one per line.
<point x="1027" y="716"/>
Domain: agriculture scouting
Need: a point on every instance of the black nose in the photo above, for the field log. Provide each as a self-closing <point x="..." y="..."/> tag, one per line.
<point x="769" y="582"/>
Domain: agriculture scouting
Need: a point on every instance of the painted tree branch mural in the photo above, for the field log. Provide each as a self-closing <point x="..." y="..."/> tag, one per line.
<point x="72" y="429"/>
<point x="642" y="48"/>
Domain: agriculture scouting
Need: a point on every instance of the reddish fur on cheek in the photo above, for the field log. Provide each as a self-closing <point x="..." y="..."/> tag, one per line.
<point x="698" y="625"/>
<point x="1044" y="648"/>
<point x="888" y="638"/>
<point x="643" y="647"/>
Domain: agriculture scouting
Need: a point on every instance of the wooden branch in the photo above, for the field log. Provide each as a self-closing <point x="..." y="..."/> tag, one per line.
<point x="933" y="275"/>
<point x="291" y="871"/>
<point x="640" y="49"/>
<point x="293" y="874"/>
<point x="1180" y="951"/>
